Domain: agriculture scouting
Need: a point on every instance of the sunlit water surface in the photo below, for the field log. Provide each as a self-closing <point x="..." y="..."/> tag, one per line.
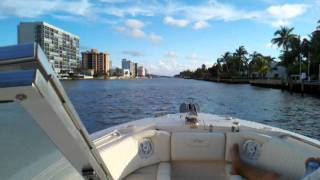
<point x="102" y="104"/>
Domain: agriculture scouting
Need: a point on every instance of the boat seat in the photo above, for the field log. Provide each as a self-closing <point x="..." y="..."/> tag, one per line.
<point x="277" y="155"/>
<point x="199" y="156"/>
<point x="122" y="157"/>
<point x="185" y="170"/>
<point x="196" y="170"/>
<point x="160" y="171"/>
<point x="187" y="146"/>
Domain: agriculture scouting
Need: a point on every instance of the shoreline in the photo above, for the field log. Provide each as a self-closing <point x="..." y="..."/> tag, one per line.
<point x="309" y="87"/>
<point x="105" y="79"/>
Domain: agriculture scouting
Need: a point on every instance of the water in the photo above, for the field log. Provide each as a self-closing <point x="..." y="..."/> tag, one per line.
<point x="102" y="104"/>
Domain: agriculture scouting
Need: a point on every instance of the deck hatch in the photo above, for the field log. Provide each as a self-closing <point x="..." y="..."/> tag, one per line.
<point x="27" y="79"/>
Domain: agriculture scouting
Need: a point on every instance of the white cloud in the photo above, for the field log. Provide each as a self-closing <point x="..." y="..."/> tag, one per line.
<point x="133" y="53"/>
<point x="172" y="64"/>
<point x="120" y="29"/>
<point x="19" y="7"/>
<point x="282" y="15"/>
<point x="171" y="55"/>
<point x="200" y="14"/>
<point x="193" y="57"/>
<point x="211" y="11"/>
<point x="200" y="25"/>
<point x="176" y="22"/>
<point x="130" y="11"/>
<point x="270" y="45"/>
<point x="113" y="1"/>
<point x="137" y="33"/>
<point x="82" y="7"/>
<point x="66" y="17"/>
<point x="167" y="67"/>
<point x="287" y="11"/>
<point x="155" y="38"/>
<point x="35" y="8"/>
<point x="279" y="22"/>
<point x="134" y="24"/>
<point x="132" y="27"/>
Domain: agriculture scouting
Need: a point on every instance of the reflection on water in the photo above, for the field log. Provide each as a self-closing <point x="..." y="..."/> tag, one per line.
<point x="102" y="104"/>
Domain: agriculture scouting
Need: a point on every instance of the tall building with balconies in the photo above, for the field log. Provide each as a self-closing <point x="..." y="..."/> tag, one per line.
<point x="127" y="64"/>
<point x="96" y="63"/>
<point x="61" y="47"/>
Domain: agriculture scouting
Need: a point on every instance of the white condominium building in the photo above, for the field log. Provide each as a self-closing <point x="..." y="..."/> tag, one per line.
<point x="127" y="64"/>
<point x="61" y="47"/>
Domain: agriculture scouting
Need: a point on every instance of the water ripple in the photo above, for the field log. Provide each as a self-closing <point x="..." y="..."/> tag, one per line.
<point x="102" y="104"/>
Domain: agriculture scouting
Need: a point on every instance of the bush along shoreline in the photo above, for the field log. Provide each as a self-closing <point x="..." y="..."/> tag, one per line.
<point x="297" y="55"/>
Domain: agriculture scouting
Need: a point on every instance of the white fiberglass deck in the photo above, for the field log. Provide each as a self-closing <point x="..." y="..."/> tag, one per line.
<point x="181" y="152"/>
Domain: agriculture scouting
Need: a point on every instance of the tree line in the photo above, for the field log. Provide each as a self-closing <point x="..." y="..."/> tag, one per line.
<point x="296" y="55"/>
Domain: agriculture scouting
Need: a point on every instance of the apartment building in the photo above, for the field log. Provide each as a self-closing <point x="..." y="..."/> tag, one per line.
<point x="141" y="71"/>
<point x="96" y="63"/>
<point x="131" y="66"/>
<point x="61" y="47"/>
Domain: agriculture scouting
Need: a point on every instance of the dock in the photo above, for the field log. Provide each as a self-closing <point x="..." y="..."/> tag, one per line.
<point x="304" y="86"/>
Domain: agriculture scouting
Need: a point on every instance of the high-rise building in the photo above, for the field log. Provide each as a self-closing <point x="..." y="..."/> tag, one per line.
<point x="61" y="47"/>
<point x="135" y="69"/>
<point x="141" y="71"/>
<point x="132" y="69"/>
<point x="96" y="63"/>
<point x="127" y="64"/>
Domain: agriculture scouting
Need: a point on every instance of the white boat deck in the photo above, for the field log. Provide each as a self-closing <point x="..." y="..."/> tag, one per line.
<point x="201" y="152"/>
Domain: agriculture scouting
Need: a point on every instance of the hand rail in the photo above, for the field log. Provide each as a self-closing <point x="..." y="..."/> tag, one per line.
<point x="282" y="136"/>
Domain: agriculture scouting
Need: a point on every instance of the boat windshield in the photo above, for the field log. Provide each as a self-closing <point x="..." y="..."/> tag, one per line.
<point x="27" y="151"/>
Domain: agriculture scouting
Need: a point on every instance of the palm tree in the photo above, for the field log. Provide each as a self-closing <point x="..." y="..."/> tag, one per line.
<point x="255" y="55"/>
<point x="283" y="37"/>
<point x="226" y="60"/>
<point x="260" y="64"/>
<point x="219" y="64"/>
<point x="305" y="48"/>
<point x="265" y="65"/>
<point x="240" y="54"/>
<point x="315" y="53"/>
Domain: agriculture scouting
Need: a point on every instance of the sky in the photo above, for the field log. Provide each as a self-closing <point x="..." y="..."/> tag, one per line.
<point x="165" y="36"/>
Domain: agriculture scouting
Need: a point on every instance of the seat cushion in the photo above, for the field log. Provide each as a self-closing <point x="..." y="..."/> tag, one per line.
<point x="122" y="157"/>
<point x="164" y="171"/>
<point x="161" y="171"/>
<point x="145" y="173"/>
<point x="197" y="146"/>
<point x="198" y="170"/>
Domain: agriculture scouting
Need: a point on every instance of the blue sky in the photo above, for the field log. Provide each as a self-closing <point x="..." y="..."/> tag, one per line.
<point x="165" y="36"/>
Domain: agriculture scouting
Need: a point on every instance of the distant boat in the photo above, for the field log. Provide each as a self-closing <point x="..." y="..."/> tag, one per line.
<point x="42" y="136"/>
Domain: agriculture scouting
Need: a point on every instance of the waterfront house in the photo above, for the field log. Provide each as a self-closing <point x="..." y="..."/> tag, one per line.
<point x="277" y="71"/>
